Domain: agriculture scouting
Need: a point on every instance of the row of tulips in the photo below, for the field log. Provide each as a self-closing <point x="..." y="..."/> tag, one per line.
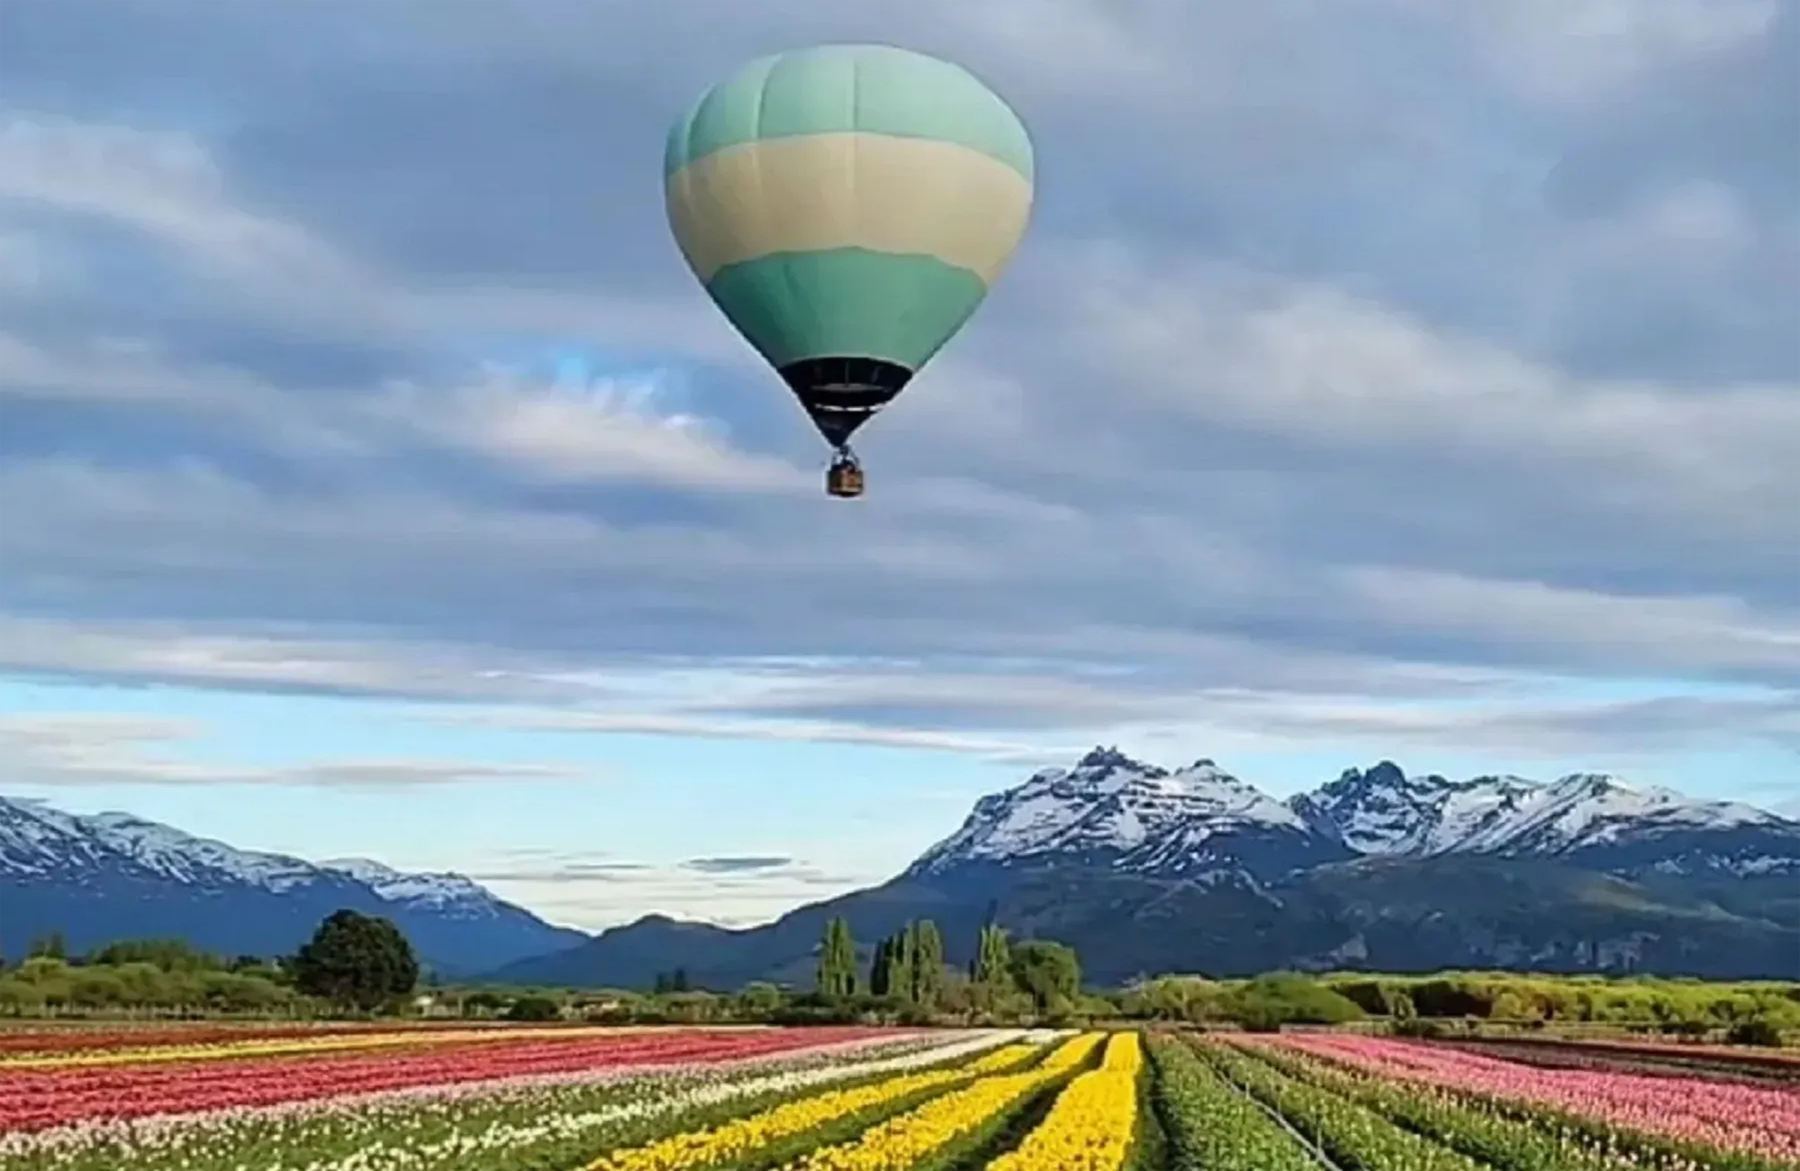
<point x="1706" y="1114"/>
<point x="1617" y="1059"/>
<point x="864" y="1100"/>
<point x="1352" y="1135"/>
<point x="1640" y="1047"/>
<point x="802" y="1118"/>
<point x="659" y="1113"/>
<point x="1094" y="1121"/>
<point x="1507" y="1141"/>
<point x="1208" y="1124"/>
<point x="38" y="1100"/>
<point x="95" y="1038"/>
<point x="292" y="1045"/>
<point x="509" y="1127"/>
<point x="937" y="1133"/>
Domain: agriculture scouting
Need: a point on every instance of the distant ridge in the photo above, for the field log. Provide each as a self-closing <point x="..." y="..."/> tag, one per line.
<point x="114" y="876"/>
<point x="1150" y="869"/>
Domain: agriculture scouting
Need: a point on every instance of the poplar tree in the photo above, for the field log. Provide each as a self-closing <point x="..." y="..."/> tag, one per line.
<point x="881" y="968"/>
<point x="928" y="964"/>
<point x="993" y="958"/>
<point x="837" y="959"/>
<point x="906" y="961"/>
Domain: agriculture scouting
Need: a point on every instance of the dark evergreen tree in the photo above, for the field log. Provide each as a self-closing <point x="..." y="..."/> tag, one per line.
<point x="356" y="961"/>
<point x="881" y="968"/>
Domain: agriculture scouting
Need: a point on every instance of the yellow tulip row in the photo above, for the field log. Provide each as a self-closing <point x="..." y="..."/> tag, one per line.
<point x="903" y="1141"/>
<point x="1094" y="1120"/>
<point x="732" y="1140"/>
<point x="279" y="1046"/>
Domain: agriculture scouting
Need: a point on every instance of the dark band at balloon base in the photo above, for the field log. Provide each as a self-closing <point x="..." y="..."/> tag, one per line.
<point x="841" y="394"/>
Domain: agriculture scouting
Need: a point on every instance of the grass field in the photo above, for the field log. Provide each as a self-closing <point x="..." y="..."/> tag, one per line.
<point x="580" y="1098"/>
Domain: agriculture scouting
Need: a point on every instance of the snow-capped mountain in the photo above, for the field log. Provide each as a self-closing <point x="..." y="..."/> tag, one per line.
<point x="1143" y="819"/>
<point x="1385" y="812"/>
<point x="1587" y="810"/>
<point x="164" y="850"/>
<point x="1144" y="869"/>
<point x="443" y="890"/>
<point x="1583" y="816"/>
<point x="1134" y="817"/>
<point x="113" y="875"/>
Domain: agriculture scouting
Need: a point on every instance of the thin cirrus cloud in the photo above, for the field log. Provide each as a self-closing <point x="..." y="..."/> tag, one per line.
<point x="731" y="891"/>
<point x="62" y="750"/>
<point x="740" y="864"/>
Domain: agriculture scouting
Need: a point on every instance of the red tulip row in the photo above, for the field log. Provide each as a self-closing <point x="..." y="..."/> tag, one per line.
<point x="37" y="1100"/>
<point x="87" y="1040"/>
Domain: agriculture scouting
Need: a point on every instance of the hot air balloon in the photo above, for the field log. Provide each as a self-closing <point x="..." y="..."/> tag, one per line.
<point x="848" y="207"/>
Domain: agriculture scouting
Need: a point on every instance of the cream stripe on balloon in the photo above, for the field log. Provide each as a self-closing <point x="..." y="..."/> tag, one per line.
<point x="816" y="192"/>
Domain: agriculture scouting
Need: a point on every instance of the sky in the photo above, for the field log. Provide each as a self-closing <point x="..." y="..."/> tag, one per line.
<point x="1379" y="379"/>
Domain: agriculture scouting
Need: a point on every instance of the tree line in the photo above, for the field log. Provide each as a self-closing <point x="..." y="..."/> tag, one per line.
<point x="353" y="963"/>
<point x="907" y="972"/>
<point x="358" y="964"/>
<point x="1746" y="1012"/>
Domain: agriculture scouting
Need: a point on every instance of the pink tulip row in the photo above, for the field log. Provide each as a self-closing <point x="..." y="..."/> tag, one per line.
<point x="1717" y="1114"/>
<point x="38" y="1100"/>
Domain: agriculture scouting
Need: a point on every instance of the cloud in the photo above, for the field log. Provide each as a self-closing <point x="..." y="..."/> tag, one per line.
<point x="174" y="653"/>
<point x="566" y="873"/>
<point x="1623" y="732"/>
<point x="1590" y="50"/>
<point x="734" y="891"/>
<point x="1395" y="399"/>
<point x="742" y="864"/>
<point x="576" y="431"/>
<point x="57" y="750"/>
<point x="745" y="727"/>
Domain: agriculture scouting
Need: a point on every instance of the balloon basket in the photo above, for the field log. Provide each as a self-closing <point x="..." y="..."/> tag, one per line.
<point x="844" y="480"/>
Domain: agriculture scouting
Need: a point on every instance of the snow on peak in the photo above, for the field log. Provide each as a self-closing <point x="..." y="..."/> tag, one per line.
<point x="1583" y="810"/>
<point x="1107" y="805"/>
<point x="183" y="857"/>
<point x="36" y="839"/>
<point x="1383" y="811"/>
<point x="397" y="886"/>
<point x="1111" y="807"/>
<point x="1100" y="759"/>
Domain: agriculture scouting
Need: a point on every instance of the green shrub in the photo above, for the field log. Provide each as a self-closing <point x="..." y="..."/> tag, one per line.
<point x="1755" y="1031"/>
<point x="1268" y="1002"/>
<point x="1416" y="1027"/>
<point x="533" y="1008"/>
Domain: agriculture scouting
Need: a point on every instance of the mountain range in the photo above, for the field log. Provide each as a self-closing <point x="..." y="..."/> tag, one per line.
<point x="1143" y="869"/>
<point x="113" y="876"/>
<point x="1146" y="869"/>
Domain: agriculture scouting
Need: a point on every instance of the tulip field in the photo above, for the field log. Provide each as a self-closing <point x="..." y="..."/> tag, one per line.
<point x="584" y="1098"/>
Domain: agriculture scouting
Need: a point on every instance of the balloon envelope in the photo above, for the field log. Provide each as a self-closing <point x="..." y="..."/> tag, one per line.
<point x="848" y="207"/>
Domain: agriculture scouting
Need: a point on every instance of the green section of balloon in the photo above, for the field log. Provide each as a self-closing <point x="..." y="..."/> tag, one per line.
<point x="849" y="200"/>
